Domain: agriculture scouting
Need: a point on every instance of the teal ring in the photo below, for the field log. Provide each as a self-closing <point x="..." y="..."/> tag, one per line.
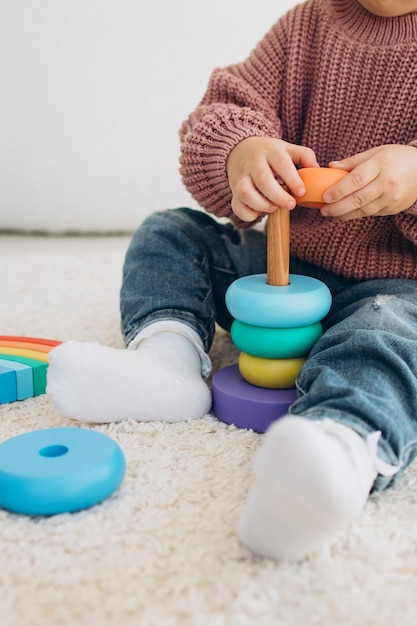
<point x="275" y="343"/>
<point x="302" y="302"/>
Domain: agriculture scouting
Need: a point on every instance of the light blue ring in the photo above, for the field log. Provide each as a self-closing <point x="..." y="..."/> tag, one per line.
<point x="304" y="301"/>
<point x="58" y="470"/>
<point x="275" y="343"/>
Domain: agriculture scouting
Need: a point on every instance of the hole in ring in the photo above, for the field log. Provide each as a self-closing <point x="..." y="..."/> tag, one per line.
<point x="53" y="451"/>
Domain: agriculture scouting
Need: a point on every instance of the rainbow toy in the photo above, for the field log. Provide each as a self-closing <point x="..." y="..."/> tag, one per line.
<point x="23" y="366"/>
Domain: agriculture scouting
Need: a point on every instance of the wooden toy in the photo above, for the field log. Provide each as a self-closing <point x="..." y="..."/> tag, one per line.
<point x="8" y="392"/>
<point x="37" y="340"/>
<point x="39" y="369"/>
<point x="30" y="354"/>
<point x="275" y="343"/>
<point x="316" y="181"/>
<point x="26" y="345"/>
<point x="268" y="308"/>
<point x="23" y="366"/>
<point x="302" y="301"/>
<point x="23" y="380"/>
<point x="246" y="406"/>
<point x="270" y="373"/>
<point x="58" y="470"/>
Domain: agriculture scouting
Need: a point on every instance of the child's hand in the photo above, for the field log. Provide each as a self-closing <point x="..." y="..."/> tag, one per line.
<point x="254" y="166"/>
<point x="382" y="181"/>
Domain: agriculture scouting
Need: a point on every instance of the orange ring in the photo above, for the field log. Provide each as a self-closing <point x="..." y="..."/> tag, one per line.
<point x="317" y="180"/>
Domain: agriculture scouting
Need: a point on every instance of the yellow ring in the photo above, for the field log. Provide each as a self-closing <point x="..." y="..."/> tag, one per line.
<point x="270" y="373"/>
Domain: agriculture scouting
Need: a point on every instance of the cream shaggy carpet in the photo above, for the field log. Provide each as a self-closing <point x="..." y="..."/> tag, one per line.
<point x="163" y="551"/>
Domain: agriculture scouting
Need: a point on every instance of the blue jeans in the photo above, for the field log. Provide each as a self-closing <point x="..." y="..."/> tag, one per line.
<point x="361" y="373"/>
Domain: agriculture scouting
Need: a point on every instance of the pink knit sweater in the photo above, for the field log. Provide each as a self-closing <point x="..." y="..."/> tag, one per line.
<point x="331" y="76"/>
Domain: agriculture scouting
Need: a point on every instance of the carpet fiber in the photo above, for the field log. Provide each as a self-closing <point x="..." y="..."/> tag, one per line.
<point x="163" y="550"/>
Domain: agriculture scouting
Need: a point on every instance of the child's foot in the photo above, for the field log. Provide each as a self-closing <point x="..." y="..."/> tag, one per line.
<point x="160" y="380"/>
<point x="311" y="479"/>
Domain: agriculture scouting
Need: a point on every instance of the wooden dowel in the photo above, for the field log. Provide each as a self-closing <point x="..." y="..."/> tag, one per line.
<point x="278" y="255"/>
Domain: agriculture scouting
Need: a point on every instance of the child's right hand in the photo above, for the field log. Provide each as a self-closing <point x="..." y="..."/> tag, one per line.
<point x="256" y="169"/>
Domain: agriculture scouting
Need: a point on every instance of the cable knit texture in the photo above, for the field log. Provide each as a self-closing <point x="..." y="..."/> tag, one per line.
<point x="331" y="76"/>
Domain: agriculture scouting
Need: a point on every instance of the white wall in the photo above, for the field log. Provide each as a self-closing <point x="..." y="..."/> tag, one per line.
<point x="92" y="93"/>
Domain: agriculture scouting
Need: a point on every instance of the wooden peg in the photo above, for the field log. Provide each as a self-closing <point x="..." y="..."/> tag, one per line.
<point x="278" y="242"/>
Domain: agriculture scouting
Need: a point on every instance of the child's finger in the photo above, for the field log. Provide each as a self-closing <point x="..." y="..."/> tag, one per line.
<point x="367" y="201"/>
<point x="284" y="167"/>
<point x="353" y="184"/>
<point x="273" y="192"/>
<point x="244" y="212"/>
<point x="248" y="193"/>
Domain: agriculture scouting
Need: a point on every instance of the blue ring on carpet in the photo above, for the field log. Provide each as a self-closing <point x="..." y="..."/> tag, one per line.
<point x="58" y="470"/>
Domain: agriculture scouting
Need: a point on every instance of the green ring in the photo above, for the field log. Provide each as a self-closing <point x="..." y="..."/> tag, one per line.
<point x="275" y="343"/>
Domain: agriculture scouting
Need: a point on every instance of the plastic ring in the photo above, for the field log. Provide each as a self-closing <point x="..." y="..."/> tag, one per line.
<point x="303" y="302"/>
<point x="58" y="470"/>
<point x="317" y="180"/>
<point x="275" y="343"/>
<point x="270" y="373"/>
<point x="245" y="406"/>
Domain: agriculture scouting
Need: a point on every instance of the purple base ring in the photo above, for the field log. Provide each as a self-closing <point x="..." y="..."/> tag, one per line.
<point x="237" y="402"/>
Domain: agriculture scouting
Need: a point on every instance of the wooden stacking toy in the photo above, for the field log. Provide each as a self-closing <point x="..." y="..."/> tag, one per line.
<point x="276" y="323"/>
<point x="23" y="365"/>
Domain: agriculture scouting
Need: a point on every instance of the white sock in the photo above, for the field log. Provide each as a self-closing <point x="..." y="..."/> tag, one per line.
<point x="160" y="378"/>
<point x="311" y="479"/>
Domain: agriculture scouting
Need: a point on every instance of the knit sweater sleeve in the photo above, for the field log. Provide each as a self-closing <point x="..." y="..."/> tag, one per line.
<point x="406" y="222"/>
<point x="241" y="101"/>
<point x="413" y="209"/>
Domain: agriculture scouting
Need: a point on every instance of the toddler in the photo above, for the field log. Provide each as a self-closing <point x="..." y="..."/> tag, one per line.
<point x="333" y="83"/>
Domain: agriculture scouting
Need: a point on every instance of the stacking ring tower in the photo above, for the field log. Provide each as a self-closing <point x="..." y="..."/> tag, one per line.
<point x="277" y="321"/>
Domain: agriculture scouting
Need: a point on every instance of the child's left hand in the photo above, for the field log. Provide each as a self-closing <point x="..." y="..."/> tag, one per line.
<point x="382" y="181"/>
